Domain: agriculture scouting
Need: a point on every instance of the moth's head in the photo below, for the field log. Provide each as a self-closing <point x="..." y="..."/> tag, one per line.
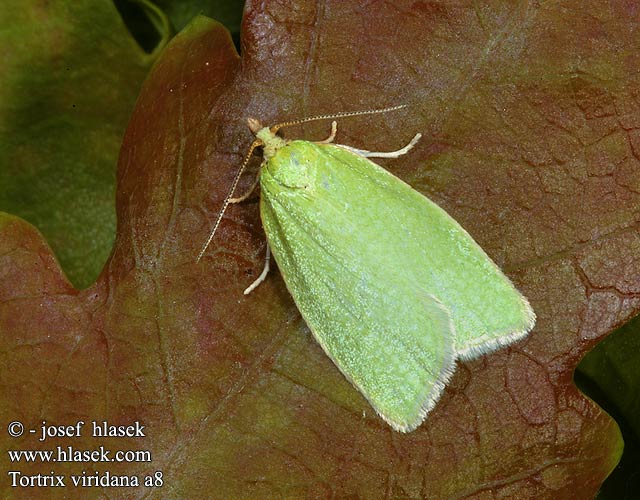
<point x="266" y="137"/>
<point x="254" y="125"/>
<point x="263" y="134"/>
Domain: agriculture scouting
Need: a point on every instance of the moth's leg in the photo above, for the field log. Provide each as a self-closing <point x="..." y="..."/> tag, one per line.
<point x="332" y="136"/>
<point x="248" y="193"/>
<point x="390" y="154"/>
<point x="263" y="274"/>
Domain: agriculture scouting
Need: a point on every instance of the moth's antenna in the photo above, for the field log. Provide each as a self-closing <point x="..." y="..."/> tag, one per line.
<point x="277" y="127"/>
<point x="258" y="142"/>
<point x="225" y="204"/>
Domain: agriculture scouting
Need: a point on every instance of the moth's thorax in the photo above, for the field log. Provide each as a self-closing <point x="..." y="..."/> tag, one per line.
<point x="294" y="164"/>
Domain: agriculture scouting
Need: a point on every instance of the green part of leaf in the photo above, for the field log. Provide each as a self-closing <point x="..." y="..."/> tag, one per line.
<point x="147" y="23"/>
<point x="609" y="374"/>
<point x="71" y="74"/>
<point x="531" y="148"/>
<point x="227" y="12"/>
<point x="148" y="20"/>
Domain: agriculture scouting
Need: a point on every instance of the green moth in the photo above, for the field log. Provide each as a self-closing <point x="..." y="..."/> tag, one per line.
<point x="391" y="286"/>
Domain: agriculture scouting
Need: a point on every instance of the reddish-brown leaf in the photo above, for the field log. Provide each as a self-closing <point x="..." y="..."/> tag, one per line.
<point x="529" y="115"/>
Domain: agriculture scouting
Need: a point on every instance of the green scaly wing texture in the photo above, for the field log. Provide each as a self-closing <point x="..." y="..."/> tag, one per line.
<point x="399" y="353"/>
<point x="422" y="239"/>
<point x="369" y="262"/>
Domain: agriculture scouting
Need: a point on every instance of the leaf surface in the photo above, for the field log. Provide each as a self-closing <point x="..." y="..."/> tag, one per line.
<point x="531" y="148"/>
<point x="70" y="77"/>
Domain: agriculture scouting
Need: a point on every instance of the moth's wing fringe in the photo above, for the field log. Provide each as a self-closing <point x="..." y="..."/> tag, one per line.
<point x="446" y="372"/>
<point x="504" y="339"/>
